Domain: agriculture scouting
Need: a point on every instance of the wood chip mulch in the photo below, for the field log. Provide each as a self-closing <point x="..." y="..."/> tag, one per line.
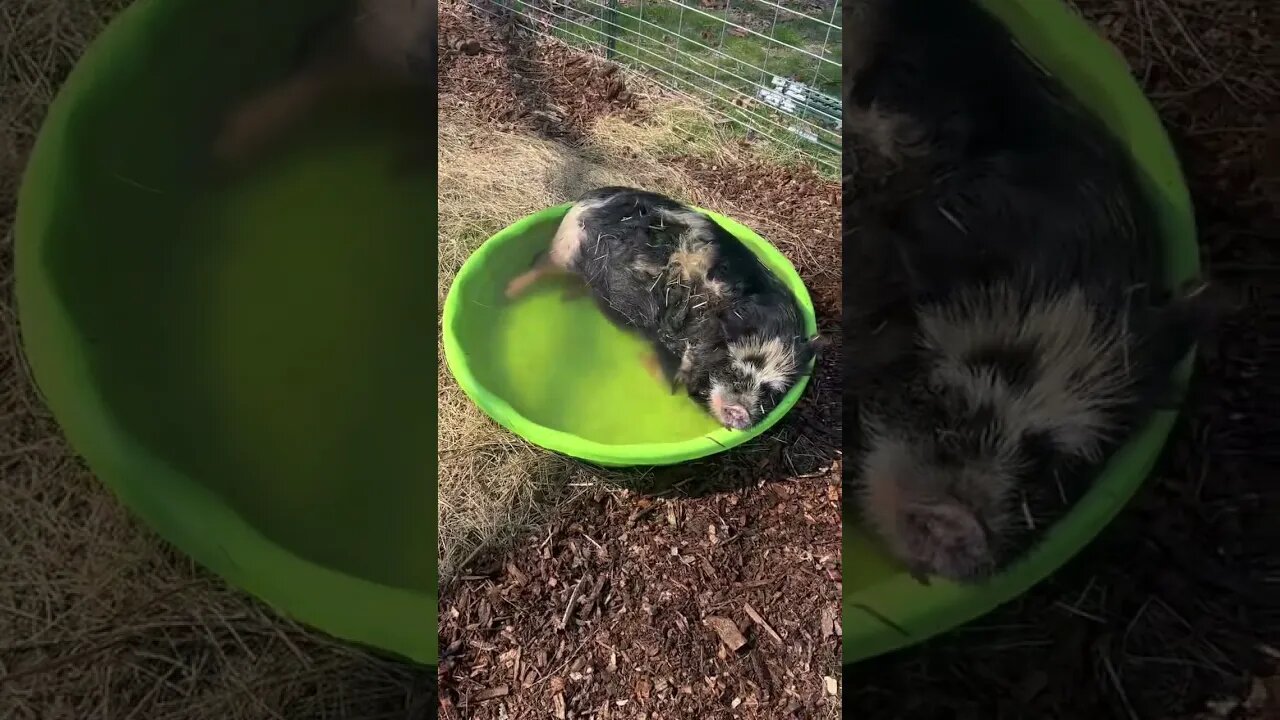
<point x="721" y="606"/>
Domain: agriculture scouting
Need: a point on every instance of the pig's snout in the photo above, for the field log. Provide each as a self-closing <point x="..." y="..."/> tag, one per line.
<point x="733" y="416"/>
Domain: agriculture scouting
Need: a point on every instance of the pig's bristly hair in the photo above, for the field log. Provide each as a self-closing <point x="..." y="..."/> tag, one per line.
<point x="692" y="258"/>
<point x="1023" y="240"/>
<point x="722" y="324"/>
<point x="1001" y="365"/>
<point x="1047" y="363"/>
<point x="768" y="361"/>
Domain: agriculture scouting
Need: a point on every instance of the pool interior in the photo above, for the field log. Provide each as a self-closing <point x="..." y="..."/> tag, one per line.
<point x="558" y="361"/>
<point x="270" y="335"/>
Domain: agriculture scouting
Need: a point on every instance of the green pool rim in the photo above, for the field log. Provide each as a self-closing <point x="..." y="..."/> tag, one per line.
<point x="176" y="507"/>
<point x="605" y="454"/>
<point x="899" y="612"/>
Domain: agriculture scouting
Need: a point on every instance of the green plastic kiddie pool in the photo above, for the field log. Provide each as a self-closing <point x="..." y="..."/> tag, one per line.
<point x="559" y="374"/>
<point x="885" y="609"/>
<point x="248" y="365"/>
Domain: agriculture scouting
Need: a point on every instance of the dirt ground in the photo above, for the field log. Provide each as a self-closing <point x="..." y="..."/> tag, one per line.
<point x="1174" y="613"/>
<point x="709" y="590"/>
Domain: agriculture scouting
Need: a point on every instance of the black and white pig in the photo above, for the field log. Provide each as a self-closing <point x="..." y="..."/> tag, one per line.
<point x="721" y="324"/>
<point x="1006" y="304"/>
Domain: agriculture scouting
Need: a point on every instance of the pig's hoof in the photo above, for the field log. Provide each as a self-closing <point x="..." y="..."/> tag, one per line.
<point x="517" y="286"/>
<point x="650" y="362"/>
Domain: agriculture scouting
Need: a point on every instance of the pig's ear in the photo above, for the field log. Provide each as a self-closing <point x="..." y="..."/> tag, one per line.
<point x="885" y="260"/>
<point x="1190" y="317"/>
<point x="738" y="321"/>
<point x="726" y="330"/>
<point x="811" y="348"/>
<point x="915" y="271"/>
<point x="879" y="349"/>
<point x="1202" y="305"/>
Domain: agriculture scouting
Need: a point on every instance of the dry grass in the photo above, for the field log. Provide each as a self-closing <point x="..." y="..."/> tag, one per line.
<point x="493" y="484"/>
<point x="39" y="42"/>
<point x="100" y="620"/>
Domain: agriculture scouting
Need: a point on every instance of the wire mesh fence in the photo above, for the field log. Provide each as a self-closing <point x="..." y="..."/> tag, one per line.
<point x="772" y="67"/>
